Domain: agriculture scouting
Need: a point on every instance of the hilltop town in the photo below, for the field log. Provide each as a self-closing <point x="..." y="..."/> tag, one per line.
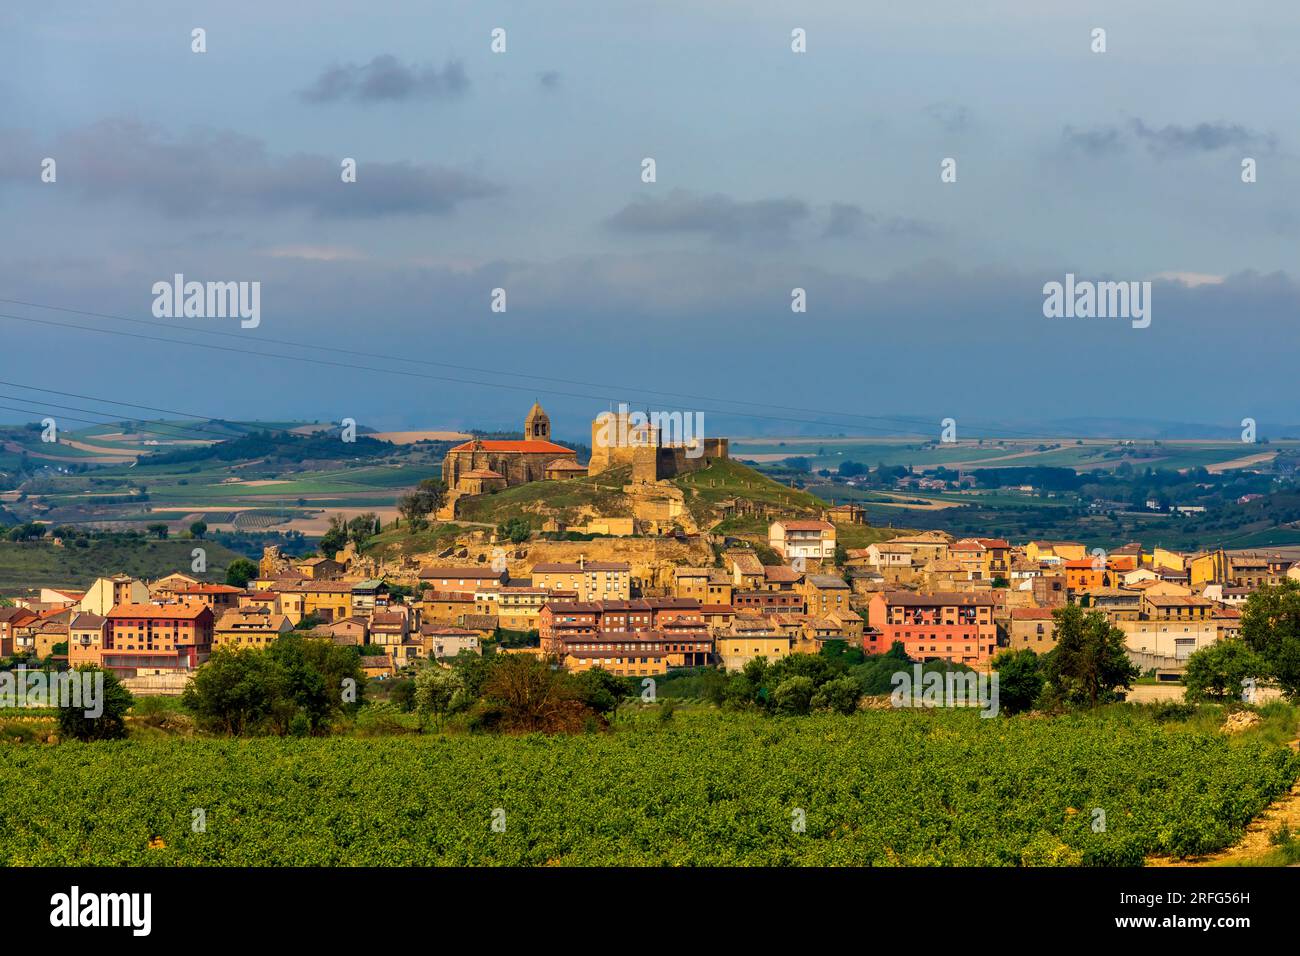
<point x="651" y="583"/>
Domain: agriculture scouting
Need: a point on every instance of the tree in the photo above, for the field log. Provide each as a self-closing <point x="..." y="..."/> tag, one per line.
<point x="793" y="695"/>
<point x="414" y="508"/>
<point x="840" y="695"/>
<point x="602" y="691"/>
<point x="1270" y="626"/>
<point x="1020" y="680"/>
<point x="1217" y="672"/>
<point x="362" y="527"/>
<point x="113" y="702"/>
<point x="241" y="571"/>
<point x="439" y="691"/>
<point x="516" y="530"/>
<point x="1089" y="663"/>
<point x="335" y="537"/>
<point x="199" y="528"/>
<point x="158" y="530"/>
<point x="232" y="692"/>
<point x="528" y="696"/>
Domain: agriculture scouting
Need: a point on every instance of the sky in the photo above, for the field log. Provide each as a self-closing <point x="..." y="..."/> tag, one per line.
<point x="522" y="170"/>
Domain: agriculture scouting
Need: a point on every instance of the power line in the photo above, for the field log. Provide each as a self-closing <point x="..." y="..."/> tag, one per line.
<point x="622" y="389"/>
<point x="419" y="375"/>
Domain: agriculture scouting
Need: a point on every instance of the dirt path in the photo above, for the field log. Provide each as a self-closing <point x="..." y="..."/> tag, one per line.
<point x="1254" y="843"/>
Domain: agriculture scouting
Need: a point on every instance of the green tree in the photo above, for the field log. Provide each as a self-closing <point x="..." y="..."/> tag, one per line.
<point x="362" y="528"/>
<point x="516" y="530"/>
<point x="1270" y="626"/>
<point x="1089" y="663"/>
<point x="240" y="572"/>
<point x="1020" y="680"/>
<point x="80" y="722"/>
<point x="839" y="695"/>
<point x="1217" y="672"/>
<point x="793" y="696"/>
<point x="232" y="692"/>
<point x="158" y="530"/>
<point x="335" y="537"/>
<point x="602" y="691"/>
<point x="439" y="691"/>
<point x="199" y="528"/>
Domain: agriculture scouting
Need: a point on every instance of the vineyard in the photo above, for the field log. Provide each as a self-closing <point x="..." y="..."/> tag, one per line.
<point x="705" y="788"/>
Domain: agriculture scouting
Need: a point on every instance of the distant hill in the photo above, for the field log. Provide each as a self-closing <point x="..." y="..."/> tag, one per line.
<point x="40" y="564"/>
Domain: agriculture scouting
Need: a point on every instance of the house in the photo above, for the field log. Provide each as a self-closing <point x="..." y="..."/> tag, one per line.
<point x="85" y="638"/>
<point x="847" y="514"/>
<point x="12" y="620"/>
<point x="957" y="627"/>
<point x="219" y="597"/>
<point x="106" y="593"/>
<point x="349" y="632"/>
<point x="440" y="642"/>
<point x="368" y="597"/>
<point x="625" y="653"/>
<point x="380" y="667"/>
<point x="249" y="627"/>
<point x="747" y="572"/>
<point x="747" y="640"/>
<point x="142" y="639"/>
<point x="1031" y="628"/>
<point x="810" y="540"/>
<point x="446" y="607"/>
<point x="825" y="594"/>
<point x="519" y="608"/>
<point x="318" y="569"/>
<point x="593" y="580"/>
<point x="462" y="579"/>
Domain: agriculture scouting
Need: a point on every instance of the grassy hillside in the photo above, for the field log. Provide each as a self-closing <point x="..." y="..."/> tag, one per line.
<point x="41" y="564"/>
<point x="708" y="488"/>
<point x="566" y="500"/>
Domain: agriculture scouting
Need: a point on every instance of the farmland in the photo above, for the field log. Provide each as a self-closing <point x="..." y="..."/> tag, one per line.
<point x="705" y="788"/>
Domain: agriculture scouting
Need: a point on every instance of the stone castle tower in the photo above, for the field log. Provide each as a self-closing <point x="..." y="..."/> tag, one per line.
<point x="537" y="426"/>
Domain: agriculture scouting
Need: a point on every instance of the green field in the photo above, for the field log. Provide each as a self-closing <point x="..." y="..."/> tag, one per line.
<point x="1001" y="453"/>
<point x="706" y="788"/>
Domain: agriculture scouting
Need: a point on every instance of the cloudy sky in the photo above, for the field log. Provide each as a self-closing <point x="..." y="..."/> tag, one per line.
<point x="522" y="170"/>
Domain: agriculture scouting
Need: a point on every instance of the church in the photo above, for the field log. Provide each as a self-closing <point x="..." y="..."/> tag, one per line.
<point x="480" y="467"/>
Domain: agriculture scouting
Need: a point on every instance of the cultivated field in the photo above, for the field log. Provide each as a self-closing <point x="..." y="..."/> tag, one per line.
<point x="705" y="788"/>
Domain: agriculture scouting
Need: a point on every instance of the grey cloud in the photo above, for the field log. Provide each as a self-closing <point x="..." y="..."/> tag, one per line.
<point x="218" y="172"/>
<point x="386" y="79"/>
<point x="1094" y="142"/>
<point x="1167" y="141"/>
<point x="950" y="117"/>
<point x="850" y="221"/>
<point x="1174" y="140"/>
<point x="719" y="217"/>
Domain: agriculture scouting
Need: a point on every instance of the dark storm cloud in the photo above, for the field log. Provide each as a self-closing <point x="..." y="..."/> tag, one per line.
<point x="385" y="78"/>
<point x="216" y="172"/>
<point x="716" y="216"/>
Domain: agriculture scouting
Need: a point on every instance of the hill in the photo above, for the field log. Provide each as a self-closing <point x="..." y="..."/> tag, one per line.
<point x="704" y="494"/>
<point x="41" y="564"/>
